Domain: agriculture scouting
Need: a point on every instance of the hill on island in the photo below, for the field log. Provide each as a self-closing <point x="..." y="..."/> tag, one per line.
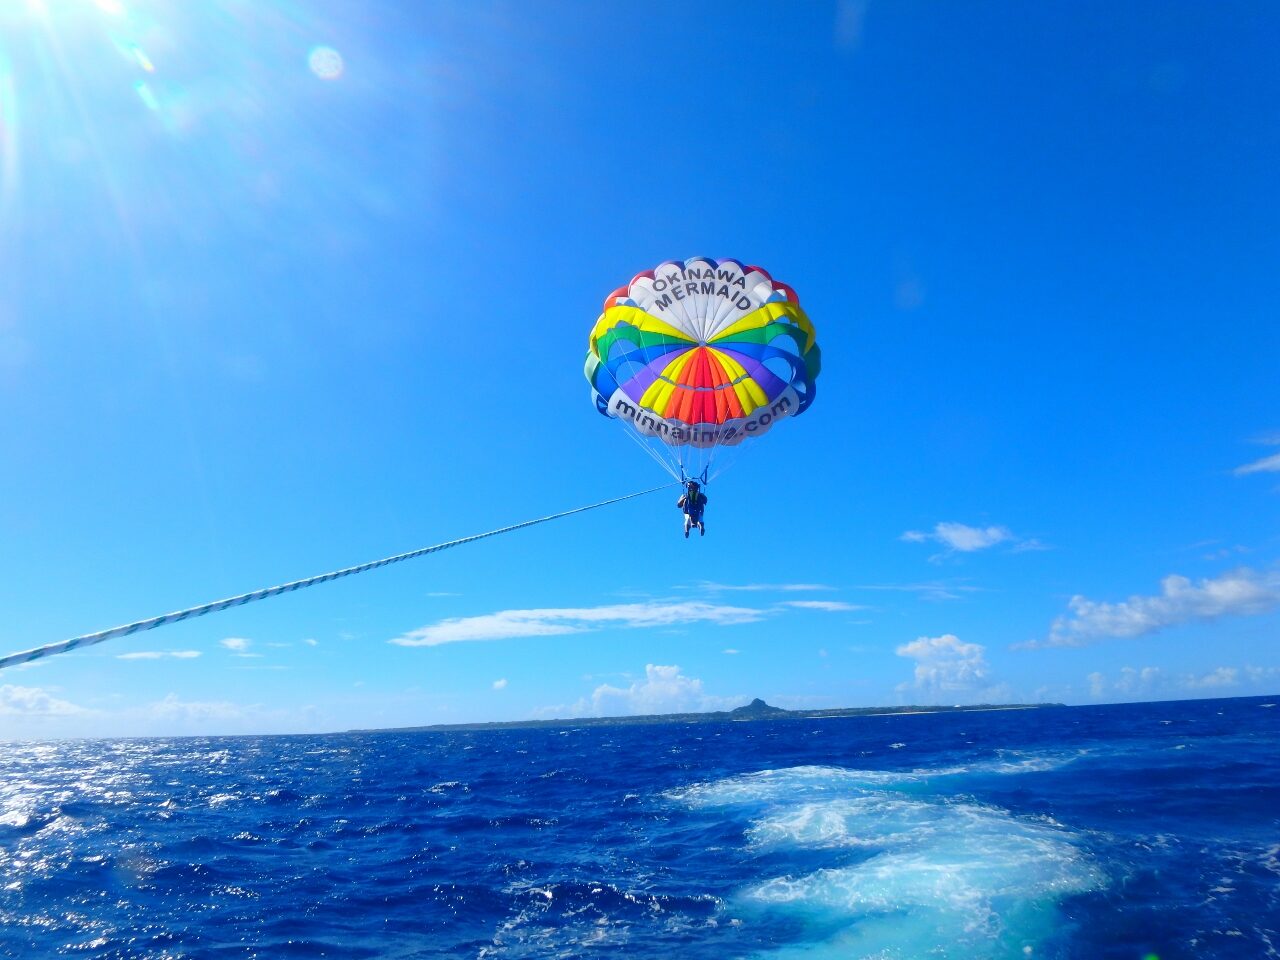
<point x="756" y="710"/>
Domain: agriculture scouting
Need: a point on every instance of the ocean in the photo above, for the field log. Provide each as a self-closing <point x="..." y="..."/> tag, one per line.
<point x="1126" y="831"/>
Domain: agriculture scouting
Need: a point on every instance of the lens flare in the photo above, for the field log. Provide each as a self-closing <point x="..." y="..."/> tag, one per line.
<point x="140" y="56"/>
<point x="145" y="93"/>
<point x="8" y="137"/>
<point x="325" y="62"/>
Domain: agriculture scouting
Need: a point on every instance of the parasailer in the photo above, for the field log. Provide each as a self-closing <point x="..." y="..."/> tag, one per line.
<point x="692" y="502"/>
<point x="699" y="355"/>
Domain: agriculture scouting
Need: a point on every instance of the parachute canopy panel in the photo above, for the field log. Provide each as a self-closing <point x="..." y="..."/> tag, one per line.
<point x="702" y="354"/>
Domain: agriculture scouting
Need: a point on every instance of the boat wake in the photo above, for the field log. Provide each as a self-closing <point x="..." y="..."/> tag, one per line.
<point x="884" y="865"/>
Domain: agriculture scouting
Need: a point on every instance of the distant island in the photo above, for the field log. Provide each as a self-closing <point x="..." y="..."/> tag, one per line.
<point x="757" y="709"/>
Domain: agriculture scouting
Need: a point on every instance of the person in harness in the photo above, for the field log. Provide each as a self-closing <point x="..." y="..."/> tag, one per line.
<point x="693" y="501"/>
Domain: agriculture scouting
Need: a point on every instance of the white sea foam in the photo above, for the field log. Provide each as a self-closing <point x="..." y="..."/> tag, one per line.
<point x="912" y="872"/>
<point x="445" y="786"/>
<point x="1007" y="762"/>
<point x="773" y="786"/>
<point x="867" y="821"/>
<point x="770" y="786"/>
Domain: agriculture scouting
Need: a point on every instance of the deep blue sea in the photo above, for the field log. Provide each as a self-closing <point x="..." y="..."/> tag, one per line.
<point x="1125" y="831"/>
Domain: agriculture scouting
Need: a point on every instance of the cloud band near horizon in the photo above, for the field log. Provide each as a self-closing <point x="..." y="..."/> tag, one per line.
<point x="1240" y="592"/>
<point x="559" y="621"/>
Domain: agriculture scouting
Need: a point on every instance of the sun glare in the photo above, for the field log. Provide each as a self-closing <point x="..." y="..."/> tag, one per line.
<point x="142" y="59"/>
<point x="8" y="136"/>
<point x="325" y="62"/>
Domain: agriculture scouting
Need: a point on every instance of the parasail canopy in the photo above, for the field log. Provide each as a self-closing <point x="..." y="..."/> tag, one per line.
<point x="700" y="355"/>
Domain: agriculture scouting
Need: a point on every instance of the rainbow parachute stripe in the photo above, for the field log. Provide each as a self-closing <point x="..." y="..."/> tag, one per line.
<point x="687" y="370"/>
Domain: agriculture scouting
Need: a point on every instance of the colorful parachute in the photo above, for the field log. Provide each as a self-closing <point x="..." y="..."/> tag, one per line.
<point x="700" y="355"/>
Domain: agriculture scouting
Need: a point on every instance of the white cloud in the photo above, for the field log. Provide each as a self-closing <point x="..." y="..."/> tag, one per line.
<point x="1153" y="682"/>
<point x="197" y="711"/>
<point x="960" y="537"/>
<point x="1261" y="674"/>
<point x="174" y="715"/>
<point x="829" y="606"/>
<point x="1240" y="592"/>
<point x="500" y="684"/>
<point x="239" y="647"/>
<point x="758" y="587"/>
<point x="310" y="641"/>
<point x="663" y="690"/>
<point x="933" y="590"/>
<point x="1223" y="553"/>
<point x="158" y="654"/>
<point x="33" y="701"/>
<point x="945" y="665"/>
<point x="1132" y="683"/>
<point x="1221" y="677"/>
<point x="1269" y="464"/>
<point x="1146" y="680"/>
<point x="731" y="651"/>
<point x="547" y="622"/>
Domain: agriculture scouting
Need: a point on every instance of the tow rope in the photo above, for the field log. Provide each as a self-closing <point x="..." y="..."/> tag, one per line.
<point x="48" y="650"/>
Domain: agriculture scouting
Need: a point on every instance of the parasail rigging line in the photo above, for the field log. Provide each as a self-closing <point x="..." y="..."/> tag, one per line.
<point x="88" y="639"/>
<point x="656" y="456"/>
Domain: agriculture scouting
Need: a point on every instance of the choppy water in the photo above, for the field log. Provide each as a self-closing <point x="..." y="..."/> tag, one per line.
<point x="1122" y="831"/>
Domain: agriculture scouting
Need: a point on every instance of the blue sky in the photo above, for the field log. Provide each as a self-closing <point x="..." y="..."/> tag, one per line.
<point x="290" y="286"/>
